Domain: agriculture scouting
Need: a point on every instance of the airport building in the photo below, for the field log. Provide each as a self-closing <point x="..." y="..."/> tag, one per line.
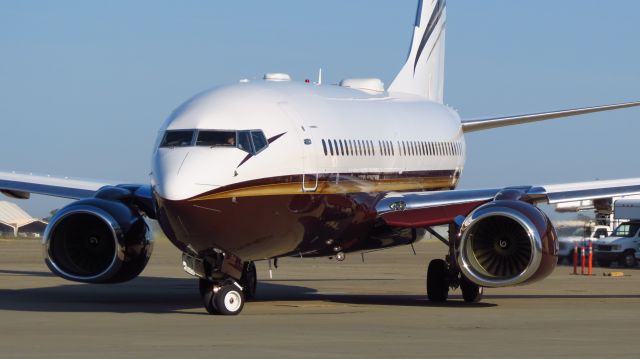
<point x="15" y="222"/>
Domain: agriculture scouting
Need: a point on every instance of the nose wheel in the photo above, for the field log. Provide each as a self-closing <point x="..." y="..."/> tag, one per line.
<point x="222" y="298"/>
<point x="226" y="296"/>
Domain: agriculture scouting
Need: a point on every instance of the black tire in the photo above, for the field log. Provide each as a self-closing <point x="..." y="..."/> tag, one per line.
<point x="228" y="300"/>
<point x="437" y="282"/>
<point x="471" y="292"/>
<point x="208" y="296"/>
<point x="249" y="280"/>
<point x="603" y="263"/>
<point x="628" y="259"/>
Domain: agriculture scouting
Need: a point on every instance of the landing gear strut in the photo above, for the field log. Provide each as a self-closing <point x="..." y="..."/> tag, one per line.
<point x="445" y="274"/>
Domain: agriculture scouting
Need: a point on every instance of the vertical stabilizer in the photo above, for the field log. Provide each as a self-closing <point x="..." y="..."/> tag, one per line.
<point x="423" y="73"/>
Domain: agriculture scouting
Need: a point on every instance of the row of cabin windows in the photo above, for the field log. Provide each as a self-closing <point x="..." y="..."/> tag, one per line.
<point x="348" y="148"/>
<point x="387" y="148"/>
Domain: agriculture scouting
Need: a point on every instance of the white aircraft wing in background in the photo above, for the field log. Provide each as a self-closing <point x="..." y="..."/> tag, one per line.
<point x="472" y="125"/>
<point x="19" y="185"/>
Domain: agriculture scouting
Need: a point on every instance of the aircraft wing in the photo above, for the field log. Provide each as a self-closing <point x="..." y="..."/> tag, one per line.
<point x="472" y="125"/>
<point x="422" y="209"/>
<point x="18" y="185"/>
<point x="21" y="186"/>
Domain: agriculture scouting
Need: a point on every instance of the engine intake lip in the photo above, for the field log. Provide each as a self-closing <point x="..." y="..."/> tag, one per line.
<point x="471" y="267"/>
<point x="114" y="229"/>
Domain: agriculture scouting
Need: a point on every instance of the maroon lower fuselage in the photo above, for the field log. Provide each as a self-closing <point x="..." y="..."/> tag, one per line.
<point x="272" y="217"/>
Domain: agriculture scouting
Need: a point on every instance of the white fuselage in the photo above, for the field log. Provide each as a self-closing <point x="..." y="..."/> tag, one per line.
<point x="372" y="132"/>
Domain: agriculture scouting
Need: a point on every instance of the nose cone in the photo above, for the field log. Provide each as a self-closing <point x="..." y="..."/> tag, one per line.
<point x="166" y="179"/>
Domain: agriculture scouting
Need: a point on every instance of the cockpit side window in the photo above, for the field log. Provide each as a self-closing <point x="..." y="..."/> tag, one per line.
<point x="216" y="138"/>
<point x="259" y="140"/>
<point x="177" y="138"/>
<point x="244" y="141"/>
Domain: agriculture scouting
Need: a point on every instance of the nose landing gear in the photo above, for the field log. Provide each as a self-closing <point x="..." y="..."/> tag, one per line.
<point x="225" y="298"/>
<point x="220" y="289"/>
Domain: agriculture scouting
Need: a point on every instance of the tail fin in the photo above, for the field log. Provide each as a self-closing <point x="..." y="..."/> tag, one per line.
<point x="423" y="73"/>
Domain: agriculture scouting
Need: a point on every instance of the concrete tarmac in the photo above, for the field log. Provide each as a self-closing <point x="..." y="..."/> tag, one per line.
<point x="312" y="308"/>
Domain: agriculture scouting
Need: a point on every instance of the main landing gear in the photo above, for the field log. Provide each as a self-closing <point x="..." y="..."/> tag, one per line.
<point x="443" y="275"/>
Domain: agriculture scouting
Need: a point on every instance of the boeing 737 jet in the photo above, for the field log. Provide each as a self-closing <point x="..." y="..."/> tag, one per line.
<point x="259" y="170"/>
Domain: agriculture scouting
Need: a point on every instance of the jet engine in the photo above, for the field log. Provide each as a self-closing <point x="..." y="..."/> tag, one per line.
<point x="507" y="242"/>
<point x="97" y="241"/>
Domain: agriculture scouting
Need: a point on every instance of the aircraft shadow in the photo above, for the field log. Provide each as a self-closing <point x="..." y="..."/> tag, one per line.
<point x="562" y="296"/>
<point x="27" y="273"/>
<point x="175" y="295"/>
<point x="172" y="295"/>
<point x="268" y="292"/>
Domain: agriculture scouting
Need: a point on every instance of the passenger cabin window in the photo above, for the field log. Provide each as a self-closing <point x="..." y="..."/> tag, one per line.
<point x="177" y="138"/>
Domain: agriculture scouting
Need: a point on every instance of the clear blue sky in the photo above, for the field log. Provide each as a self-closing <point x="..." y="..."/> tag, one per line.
<point x="84" y="85"/>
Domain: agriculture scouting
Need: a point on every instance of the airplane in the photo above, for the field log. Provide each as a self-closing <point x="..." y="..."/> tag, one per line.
<point x="259" y="170"/>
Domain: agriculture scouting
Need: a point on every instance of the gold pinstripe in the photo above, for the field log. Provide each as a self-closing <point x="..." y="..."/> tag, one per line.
<point x="330" y="187"/>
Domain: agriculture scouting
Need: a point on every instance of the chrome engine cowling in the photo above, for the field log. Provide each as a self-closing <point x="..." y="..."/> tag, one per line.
<point x="97" y="241"/>
<point x="507" y="242"/>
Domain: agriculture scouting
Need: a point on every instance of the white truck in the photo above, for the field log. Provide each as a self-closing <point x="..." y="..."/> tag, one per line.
<point x="581" y="235"/>
<point x="623" y="245"/>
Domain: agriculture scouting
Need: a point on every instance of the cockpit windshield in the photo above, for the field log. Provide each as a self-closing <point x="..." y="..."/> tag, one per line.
<point x="179" y="138"/>
<point x="251" y="141"/>
<point x="216" y="138"/>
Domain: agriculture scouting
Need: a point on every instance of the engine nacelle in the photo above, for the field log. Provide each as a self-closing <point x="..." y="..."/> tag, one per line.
<point x="97" y="241"/>
<point x="507" y="242"/>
